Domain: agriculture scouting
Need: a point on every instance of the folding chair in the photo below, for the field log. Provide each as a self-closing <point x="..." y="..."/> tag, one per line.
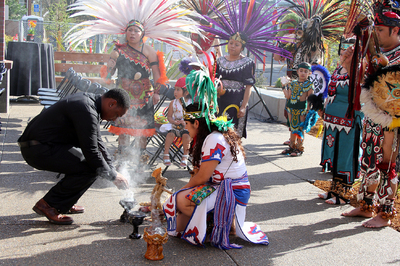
<point x="61" y="87"/>
<point x="175" y="150"/>
<point x="101" y="91"/>
<point x="71" y="88"/>
<point x="83" y="85"/>
<point x="158" y="140"/>
<point x="94" y="87"/>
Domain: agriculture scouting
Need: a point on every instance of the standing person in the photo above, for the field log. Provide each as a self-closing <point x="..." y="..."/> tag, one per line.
<point x="237" y="77"/>
<point x="244" y="27"/>
<point x="66" y="138"/>
<point x="380" y="129"/>
<point x="176" y="125"/>
<point x="220" y="186"/>
<point x="341" y="150"/>
<point x="297" y="93"/>
<point x="135" y="60"/>
<point x="314" y="26"/>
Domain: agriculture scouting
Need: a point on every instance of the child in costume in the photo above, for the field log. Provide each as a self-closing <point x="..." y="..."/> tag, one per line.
<point x="297" y="93"/>
<point x="176" y="125"/>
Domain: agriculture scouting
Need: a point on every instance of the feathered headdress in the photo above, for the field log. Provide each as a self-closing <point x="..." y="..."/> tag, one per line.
<point x="358" y="9"/>
<point x="250" y="25"/>
<point x="201" y="87"/>
<point x="204" y="7"/>
<point x="162" y="20"/>
<point x="326" y="16"/>
<point x="288" y="24"/>
<point x="387" y="13"/>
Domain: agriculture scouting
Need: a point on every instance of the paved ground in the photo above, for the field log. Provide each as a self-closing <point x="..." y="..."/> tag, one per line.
<point x="302" y="229"/>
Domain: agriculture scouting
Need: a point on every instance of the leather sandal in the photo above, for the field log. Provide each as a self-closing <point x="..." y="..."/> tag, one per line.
<point x="167" y="162"/>
<point x="296" y="153"/>
<point x="336" y="200"/>
<point x="184" y="160"/>
<point x="287" y="151"/>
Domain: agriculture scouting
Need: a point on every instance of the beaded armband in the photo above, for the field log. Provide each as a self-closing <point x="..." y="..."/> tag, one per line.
<point x="157" y="88"/>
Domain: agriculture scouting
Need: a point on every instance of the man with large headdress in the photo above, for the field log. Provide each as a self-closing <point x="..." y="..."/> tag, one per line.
<point x="136" y="61"/>
<point x="318" y="21"/>
<point x="380" y="134"/>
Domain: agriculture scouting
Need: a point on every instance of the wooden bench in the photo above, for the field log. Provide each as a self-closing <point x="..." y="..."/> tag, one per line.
<point x="88" y="65"/>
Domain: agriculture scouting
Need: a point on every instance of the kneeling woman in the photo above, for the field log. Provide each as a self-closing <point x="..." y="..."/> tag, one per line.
<point x="220" y="186"/>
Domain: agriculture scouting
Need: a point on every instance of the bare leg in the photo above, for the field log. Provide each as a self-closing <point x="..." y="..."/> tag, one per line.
<point x="168" y="141"/>
<point x="123" y="141"/>
<point x="233" y="226"/>
<point x="143" y="142"/>
<point x="388" y="156"/>
<point x="186" y="143"/>
<point x="186" y="208"/>
<point x="181" y="222"/>
<point x="292" y="140"/>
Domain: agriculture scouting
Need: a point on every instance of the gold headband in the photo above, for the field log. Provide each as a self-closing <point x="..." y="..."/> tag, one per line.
<point x="236" y="37"/>
<point x="192" y="115"/>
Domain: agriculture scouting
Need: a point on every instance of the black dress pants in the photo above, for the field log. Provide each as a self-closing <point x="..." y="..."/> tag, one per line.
<point x="64" y="159"/>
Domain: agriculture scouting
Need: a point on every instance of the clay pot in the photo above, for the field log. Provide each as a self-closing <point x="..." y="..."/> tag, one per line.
<point x="154" y="244"/>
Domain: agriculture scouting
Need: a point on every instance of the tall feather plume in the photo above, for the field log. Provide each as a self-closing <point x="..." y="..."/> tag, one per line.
<point x="357" y="10"/>
<point x="201" y="87"/>
<point x="162" y="20"/>
<point x="258" y="28"/>
<point x="203" y="7"/>
<point x="288" y="23"/>
<point x="332" y="14"/>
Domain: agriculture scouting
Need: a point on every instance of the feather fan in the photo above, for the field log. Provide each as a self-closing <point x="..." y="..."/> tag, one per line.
<point x="162" y="20"/>
<point x="256" y="25"/>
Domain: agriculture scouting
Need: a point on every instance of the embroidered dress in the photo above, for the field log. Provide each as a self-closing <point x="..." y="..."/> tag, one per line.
<point x="235" y="75"/>
<point x="232" y="190"/>
<point x="373" y="170"/>
<point x="133" y="76"/>
<point x="294" y="106"/>
<point x="341" y="150"/>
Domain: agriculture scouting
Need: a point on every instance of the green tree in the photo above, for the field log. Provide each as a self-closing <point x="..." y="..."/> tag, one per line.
<point x="59" y="21"/>
<point x="16" y="11"/>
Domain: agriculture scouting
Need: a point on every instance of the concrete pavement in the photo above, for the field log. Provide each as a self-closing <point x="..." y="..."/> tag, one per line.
<point x="301" y="228"/>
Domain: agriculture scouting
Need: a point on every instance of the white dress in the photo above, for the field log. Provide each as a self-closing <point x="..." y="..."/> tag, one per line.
<point x="176" y="115"/>
<point x="215" y="147"/>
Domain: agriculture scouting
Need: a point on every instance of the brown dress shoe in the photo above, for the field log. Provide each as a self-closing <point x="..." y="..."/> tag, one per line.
<point x="76" y="209"/>
<point x="42" y="208"/>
